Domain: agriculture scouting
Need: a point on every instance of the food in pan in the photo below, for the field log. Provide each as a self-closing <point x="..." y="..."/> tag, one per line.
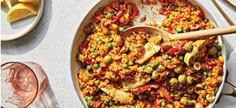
<point x="141" y="70"/>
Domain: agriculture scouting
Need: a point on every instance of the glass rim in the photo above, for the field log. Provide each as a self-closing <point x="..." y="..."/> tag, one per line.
<point x="32" y="71"/>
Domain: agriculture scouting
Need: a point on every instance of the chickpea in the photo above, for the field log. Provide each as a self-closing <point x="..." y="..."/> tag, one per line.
<point x="178" y="69"/>
<point x="188" y="46"/>
<point x="189" y="79"/>
<point x="155" y="75"/>
<point x="182" y="78"/>
<point x="210" y="98"/>
<point x="191" y="102"/>
<point x="160" y="68"/>
<point x="198" y="105"/>
<point x="148" y="69"/>
<point x="173" y="81"/>
<point x="212" y="50"/>
<point x="184" y="100"/>
<point x="107" y="59"/>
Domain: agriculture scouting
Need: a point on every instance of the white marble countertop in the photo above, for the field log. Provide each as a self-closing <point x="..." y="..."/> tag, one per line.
<point x="49" y="44"/>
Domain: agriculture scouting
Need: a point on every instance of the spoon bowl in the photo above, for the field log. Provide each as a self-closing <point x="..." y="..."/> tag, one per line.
<point x="189" y="35"/>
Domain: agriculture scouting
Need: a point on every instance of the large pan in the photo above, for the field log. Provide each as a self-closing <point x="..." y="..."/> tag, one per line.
<point x="80" y="36"/>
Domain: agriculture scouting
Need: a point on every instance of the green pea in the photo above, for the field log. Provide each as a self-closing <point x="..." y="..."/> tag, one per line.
<point x="205" y="73"/>
<point x="219" y="54"/>
<point x="203" y="83"/>
<point x="128" y="106"/>
<point x="181" y="57"/>
<point x="130" y="63"/>
<point x="108" y="36"/>
<point x="166" y="57"/>
<point x="115" y="12"/>
<point x="219" y="78"/>
<point x="218" y="46"/>
<point x="98" y="40"/>
<point x="163" y="104"/>
<point x="113" y="77"/>
<point x="216" y="89"/>
<point x="92" y="49"/>
<point x="121" y="29"/>
<point x="193" y="8"/>
<point x="205" y="20"/>
<point x="209" y="74"/>
<point x="88" y="67"/>
<point x="155" y="64"/>
<point x="109" y="45"/>
<point x="125" y="66"/>
<point x="185" y="91"/>
<point x="109" y="15"/>
<point x="92" y="97"/>
<point x="176" y="91"/>
<point x="95" y="65"/>
<point x="179" y="29"/>
<point x="86" y="97"/>
<point x="179" y="8"/>
<point x="172" y="7"/>
<point x="110" y="103"/>
<point x="144" y="66"/>
<point x="128" y="7"/>
<point x="169" y="20"/>
<point x="97" y="27"/>
<point x="124" y="27"/>
<point x="131" y="47"/>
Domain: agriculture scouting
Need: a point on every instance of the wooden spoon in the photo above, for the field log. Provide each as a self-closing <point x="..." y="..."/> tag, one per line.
<point x="189" y="35"/>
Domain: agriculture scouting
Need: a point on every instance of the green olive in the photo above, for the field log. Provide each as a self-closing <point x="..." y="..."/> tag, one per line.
<point x="107" y="59"/>
<point x="210" y="98"/>
<point x="198" y="105"/>
<point x="178" y="69"/>
<point x="190" y="89"/>
<point x="184" y="100"/>
<point x="155" y="75"/>
<point x="212" y="50"/>
<point x="182" y="78"/>
<point x="188" y="46"/>
<point x="173" y="81"/>
<point x="189" y="79"/>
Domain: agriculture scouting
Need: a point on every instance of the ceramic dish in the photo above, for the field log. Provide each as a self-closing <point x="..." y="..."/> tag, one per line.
<point x="19" y="28"/>
<point x="150" y="18"/>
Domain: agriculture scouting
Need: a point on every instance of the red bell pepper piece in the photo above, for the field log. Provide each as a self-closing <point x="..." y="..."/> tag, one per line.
<point x="166" y="94"/>
<point x="119" y="14"/>
<point x="176" y="47"/>
<point x="145" y="88"/>
<point x="156" y="104"/>
<point x="135" y="10"/>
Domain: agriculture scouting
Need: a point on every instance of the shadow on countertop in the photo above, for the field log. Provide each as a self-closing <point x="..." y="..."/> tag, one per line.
<point x="32" y="39"/>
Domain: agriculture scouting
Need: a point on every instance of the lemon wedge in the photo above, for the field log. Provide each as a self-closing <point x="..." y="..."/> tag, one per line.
<point x="34" y="2"/>
<point x="20" y="11"/>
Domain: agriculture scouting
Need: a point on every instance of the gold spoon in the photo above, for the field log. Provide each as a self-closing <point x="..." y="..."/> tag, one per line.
<point x="189" y="35"/>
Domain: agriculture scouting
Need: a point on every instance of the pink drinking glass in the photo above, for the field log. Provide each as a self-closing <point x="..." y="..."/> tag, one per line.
<point x="21" y="83"/>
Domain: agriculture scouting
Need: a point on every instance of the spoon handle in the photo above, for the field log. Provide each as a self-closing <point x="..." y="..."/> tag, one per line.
<point x="205" y="33"/>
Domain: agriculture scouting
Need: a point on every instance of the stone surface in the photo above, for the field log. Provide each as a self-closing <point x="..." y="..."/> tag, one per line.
<point x="49" y="44"/>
